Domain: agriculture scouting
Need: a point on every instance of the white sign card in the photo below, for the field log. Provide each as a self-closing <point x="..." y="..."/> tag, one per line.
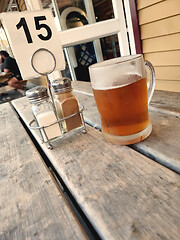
<point x="28" y="32"/>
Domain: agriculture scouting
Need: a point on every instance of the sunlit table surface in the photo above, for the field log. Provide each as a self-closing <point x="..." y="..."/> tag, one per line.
<point x="31" y="206"/>
<point x="163" y="143"/>
<point x="125" y="192"/>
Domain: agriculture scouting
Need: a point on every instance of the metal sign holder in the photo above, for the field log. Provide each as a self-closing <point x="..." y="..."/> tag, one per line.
<point x="59" y="121"/>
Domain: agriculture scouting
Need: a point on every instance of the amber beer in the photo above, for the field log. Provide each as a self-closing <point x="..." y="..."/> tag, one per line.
<point x="122" y="96"/>
<point x="123" y="109"/>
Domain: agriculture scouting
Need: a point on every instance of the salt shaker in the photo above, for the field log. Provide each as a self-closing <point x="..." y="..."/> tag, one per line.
<point x="66" y="104"/>
<point x="44" y="113"/>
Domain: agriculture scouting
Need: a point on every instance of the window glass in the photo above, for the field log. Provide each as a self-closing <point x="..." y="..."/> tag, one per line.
<point x="110" y="47"/>
<point x="4" y="44"/>
<point x="12" y="6"/>
<point x="76" y="13"/>
<point x="103" y="9"/>
<point x="85" y="56"/>
<point x="99" y="10"/>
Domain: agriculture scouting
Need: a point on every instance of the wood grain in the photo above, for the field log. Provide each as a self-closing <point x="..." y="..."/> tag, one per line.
<point x="168" y="85"/>
<point x="168" y="73"/>
<point x="124" y="194"/>
<point x="146" y="3"/>
<point x="159" y="11"/>
<point x="165" y="114"/>
<point x="6" y="89"/>
<point x="162" y="144"/>
<point x="155" y="44"/>
<point x="31" y="206"/>
<point x="164" y="100"/>
<point x="159" y="99"/>
<point x="163" y="58"/>
<point x="82" y="87"/>
<point x="160" y="28"/>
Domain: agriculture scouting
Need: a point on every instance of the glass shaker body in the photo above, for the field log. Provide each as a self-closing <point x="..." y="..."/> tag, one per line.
<point x="45" y="115"/>
<point x="66" y="105"/>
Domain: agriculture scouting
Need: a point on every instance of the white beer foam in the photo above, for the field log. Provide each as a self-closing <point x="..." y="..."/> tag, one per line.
<point x="112" y="80"/>
<point x="117" y="72"/>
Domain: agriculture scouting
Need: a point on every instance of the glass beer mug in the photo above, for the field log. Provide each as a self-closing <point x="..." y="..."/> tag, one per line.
<point x="122" y="95"/>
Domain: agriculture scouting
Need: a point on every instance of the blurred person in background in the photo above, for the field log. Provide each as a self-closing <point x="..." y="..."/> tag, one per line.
<point x="10" y="66"/>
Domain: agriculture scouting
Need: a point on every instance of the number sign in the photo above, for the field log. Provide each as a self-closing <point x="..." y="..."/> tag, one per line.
<point x="29" y="31"/>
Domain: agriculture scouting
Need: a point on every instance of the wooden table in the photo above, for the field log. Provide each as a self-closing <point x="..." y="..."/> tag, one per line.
<point x="4" y="77"/>
<point x="122" y="191"/>
<point x="163" y="143"/>
<point x="31" y="206"/>
<point x="6" y="88"/>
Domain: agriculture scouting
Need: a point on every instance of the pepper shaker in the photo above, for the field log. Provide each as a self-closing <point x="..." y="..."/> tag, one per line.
<point x="66" y="104"/>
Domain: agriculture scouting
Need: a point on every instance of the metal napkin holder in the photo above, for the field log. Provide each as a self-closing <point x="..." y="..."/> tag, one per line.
<point x="42" y="128"/>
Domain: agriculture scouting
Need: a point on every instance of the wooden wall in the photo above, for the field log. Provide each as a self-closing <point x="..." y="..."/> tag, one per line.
<point x="159" y="22"/>
<point x="21" y="5"/>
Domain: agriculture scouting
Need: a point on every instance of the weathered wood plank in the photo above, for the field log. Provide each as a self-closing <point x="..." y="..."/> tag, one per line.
<point x="162" y="100"/>
<point x="31" y="206"/>
<point x="91" y="114"/>
<point x="124" y="194"/>
<point x="162" y="145"/>
<point x="6" y="89"/>
<point x="159" y="99"/>
<point x="83" y="87"/>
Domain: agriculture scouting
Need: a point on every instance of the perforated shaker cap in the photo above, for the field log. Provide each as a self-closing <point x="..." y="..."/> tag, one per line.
<point x="37" y="94"/>
<point x="62" y="85"/>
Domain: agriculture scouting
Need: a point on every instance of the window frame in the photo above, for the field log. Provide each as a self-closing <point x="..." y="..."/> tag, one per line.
<point x="123" y="15"/>
<point x="97" y="30"/>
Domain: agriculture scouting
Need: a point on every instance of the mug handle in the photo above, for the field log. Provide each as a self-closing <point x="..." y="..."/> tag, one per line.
<point x="151" y="84"/>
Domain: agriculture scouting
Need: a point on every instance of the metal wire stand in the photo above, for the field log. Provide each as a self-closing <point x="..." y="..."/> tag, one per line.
<point x="59" y="121"/>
